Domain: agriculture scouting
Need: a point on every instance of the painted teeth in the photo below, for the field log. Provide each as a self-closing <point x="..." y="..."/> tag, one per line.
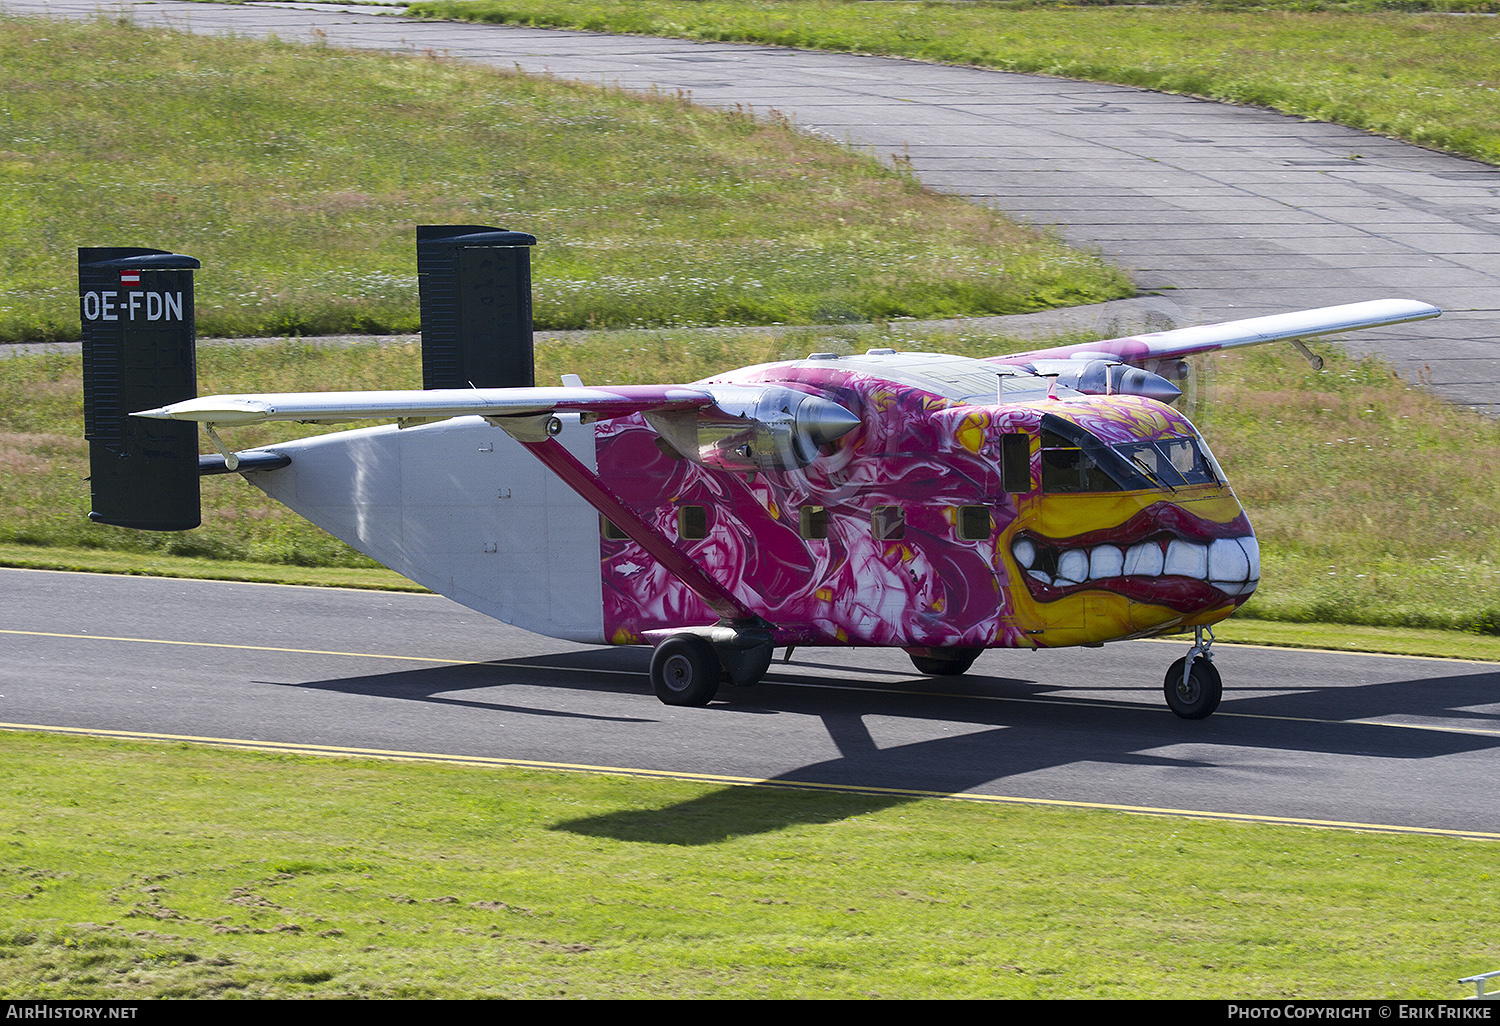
<point x="1106" y="561"/>
<point x="1025" y="553"/>
<point x="1143" y="560"/>
<point x="1073" y="566"/>
<point x="1185" y="559"/>
<point x="1230" y="564"/>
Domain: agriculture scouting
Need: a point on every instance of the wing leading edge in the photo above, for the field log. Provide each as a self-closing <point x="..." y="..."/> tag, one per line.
<point x="1207" y="338"/>
<point x="432" y="404"/>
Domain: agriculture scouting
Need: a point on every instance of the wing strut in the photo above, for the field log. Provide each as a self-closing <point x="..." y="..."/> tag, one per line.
<point x="587" y="484"/>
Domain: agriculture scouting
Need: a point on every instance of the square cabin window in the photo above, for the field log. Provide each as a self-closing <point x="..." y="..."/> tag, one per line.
<point x="974" y="523"/>
<point x="692" y="523"/>
<point x="813" y="523"/>
<point x="888" y="523"/>
<point x="611" y="530"/>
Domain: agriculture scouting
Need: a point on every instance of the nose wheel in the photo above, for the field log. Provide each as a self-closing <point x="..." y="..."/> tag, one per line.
<point x="1193" y="686"/>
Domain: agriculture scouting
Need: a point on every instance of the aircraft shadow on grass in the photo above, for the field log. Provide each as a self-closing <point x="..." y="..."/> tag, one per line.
<point x="1011" y="727"/>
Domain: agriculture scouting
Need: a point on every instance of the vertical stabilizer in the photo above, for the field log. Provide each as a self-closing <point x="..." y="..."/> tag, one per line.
<point x="475" y="285"/>
<point x="138" y="335"/>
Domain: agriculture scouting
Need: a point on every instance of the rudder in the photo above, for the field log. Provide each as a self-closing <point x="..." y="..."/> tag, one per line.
<point x="475" y="287"/>
<point x="138" y="354"/>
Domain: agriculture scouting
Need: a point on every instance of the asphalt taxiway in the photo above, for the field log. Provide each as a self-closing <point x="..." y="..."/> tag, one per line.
<point x="1308" y="737"/>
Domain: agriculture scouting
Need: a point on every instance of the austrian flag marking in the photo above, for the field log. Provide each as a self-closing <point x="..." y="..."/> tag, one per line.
<point x="130" y="279"/>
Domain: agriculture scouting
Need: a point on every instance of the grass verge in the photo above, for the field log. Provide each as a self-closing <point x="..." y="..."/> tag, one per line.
<point x="181" y="871"/>
<point x="1396" y="69"/>
<point x="155" y="564"/>
<point x="297" y="175"/>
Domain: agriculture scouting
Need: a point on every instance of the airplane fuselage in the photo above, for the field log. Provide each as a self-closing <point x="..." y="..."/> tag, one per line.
<point x="956" y="515"/>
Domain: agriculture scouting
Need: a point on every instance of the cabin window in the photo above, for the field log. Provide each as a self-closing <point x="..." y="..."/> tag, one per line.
<point x="611" y="530"/>
<point x="888" y="523"/>
<point x="1015" y="462"/>
<point x="692" y="523"/>
<point x="813" y="523"/>
<point x="974" y="523"/>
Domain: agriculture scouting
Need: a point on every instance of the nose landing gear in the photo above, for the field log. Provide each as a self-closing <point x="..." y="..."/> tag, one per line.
<point x="1193" y="686"/>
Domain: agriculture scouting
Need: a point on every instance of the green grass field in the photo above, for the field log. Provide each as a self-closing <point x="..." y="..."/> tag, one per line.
<point x="178" y="871"/>
<point x="297" y="175"/>
<point x="1398" y="68"/>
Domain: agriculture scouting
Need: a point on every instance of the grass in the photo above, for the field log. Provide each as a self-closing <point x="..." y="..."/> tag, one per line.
<point x="297" y="175"/>
<point x="1394" y="68"/>
<point x="138" y="871"/>
<point x="158" y="564"/>
<point x="1373" y="501"/>
<point x="1406" y="641"/>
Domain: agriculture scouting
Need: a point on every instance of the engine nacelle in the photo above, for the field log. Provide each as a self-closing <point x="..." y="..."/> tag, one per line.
<point x="1107" y="376"/>
<point x="749" y="428"/>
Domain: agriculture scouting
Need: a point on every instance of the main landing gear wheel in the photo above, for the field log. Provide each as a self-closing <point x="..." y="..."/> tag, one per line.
<point x="685" y="670"/>
<point x="1196" y="694"/>
<point x="945" y="662"/>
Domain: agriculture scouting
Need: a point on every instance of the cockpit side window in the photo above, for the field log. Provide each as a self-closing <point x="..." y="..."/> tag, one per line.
<point x="1067" y="468"/>
<point x="1075" y="460"/>
<point x="1188" y="460"/>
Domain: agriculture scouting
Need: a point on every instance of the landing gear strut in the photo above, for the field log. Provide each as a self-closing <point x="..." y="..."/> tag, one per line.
<point x="1193" y="686"/>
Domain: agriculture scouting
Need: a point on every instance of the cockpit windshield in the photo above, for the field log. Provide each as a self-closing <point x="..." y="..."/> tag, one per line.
<point x="1172" y="461"/>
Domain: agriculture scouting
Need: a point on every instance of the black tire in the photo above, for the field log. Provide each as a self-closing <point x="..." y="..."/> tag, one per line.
<point x="946" y="662"/>
<point x="685" y="670"/>
<point x="1199" y="696"/>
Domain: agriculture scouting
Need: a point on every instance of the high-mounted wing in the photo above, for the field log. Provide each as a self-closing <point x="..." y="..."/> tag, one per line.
<point x="430" y="405"/>
<point x="767" y="426"/>
<point x="1207" y="338"/>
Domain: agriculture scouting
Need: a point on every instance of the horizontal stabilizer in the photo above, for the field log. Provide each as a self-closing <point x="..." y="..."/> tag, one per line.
<point x="245" y="462"/>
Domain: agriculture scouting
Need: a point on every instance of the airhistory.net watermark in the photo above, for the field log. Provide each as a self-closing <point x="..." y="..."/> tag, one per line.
<point x="43" y="1010"/>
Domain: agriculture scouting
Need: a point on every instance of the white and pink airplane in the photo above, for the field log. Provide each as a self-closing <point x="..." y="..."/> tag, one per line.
<point x="938" y="504"/>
